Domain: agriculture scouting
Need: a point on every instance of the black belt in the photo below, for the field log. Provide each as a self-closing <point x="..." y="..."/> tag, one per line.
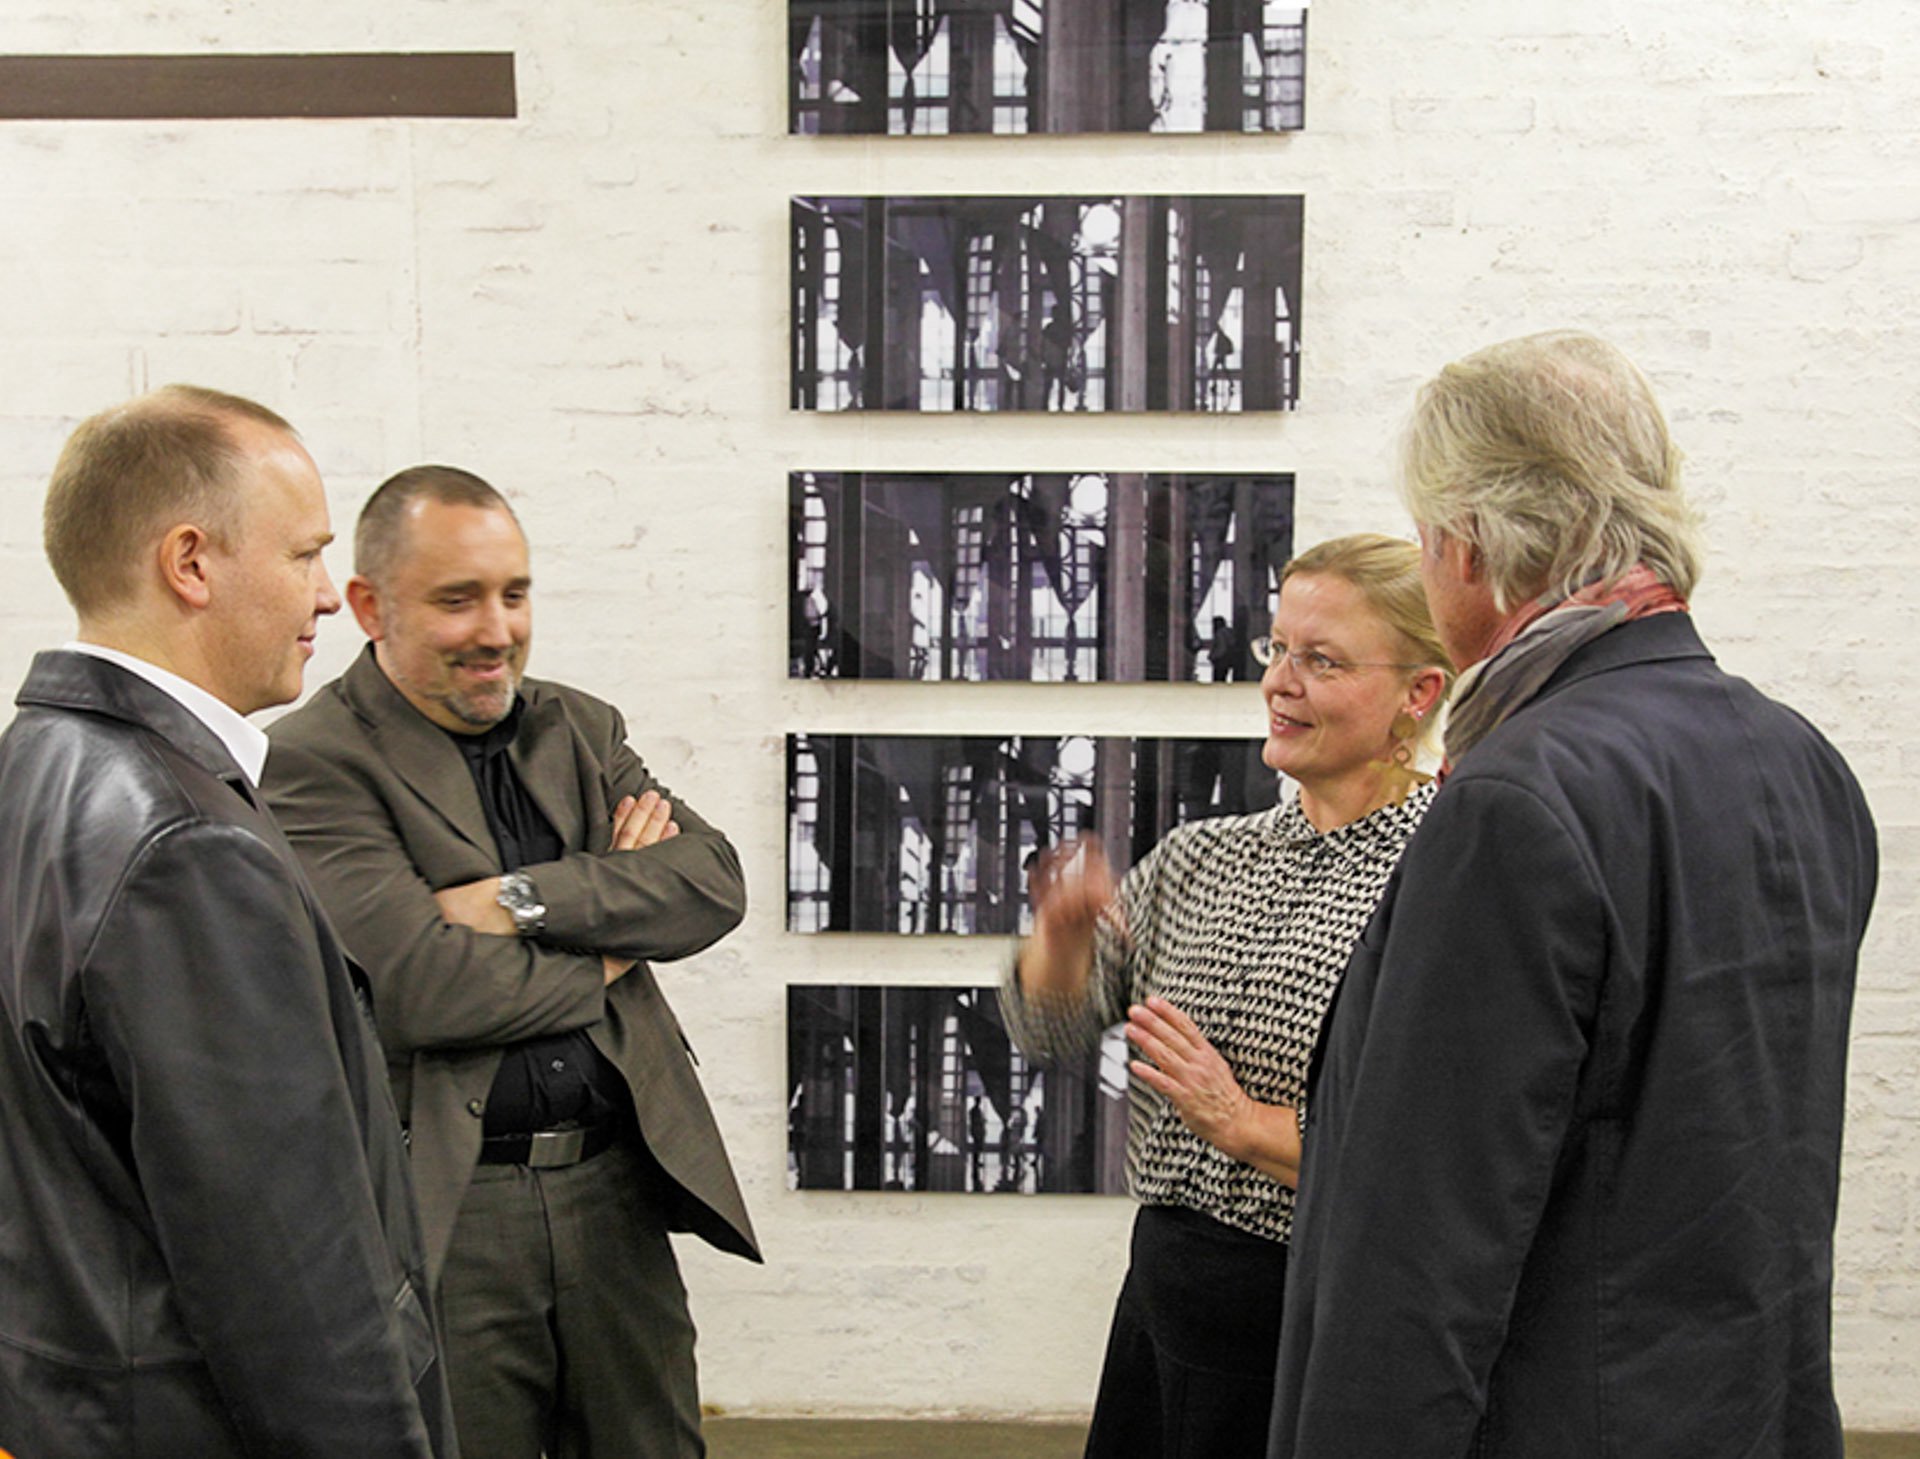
<point x="550" y="1149"/>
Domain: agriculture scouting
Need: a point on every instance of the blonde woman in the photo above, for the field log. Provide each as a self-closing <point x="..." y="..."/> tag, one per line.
<point x="1221" y="951"/>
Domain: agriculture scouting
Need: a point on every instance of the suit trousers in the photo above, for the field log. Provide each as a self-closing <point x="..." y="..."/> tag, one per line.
<point x="567" y="1330"/>
<point x="1190" y="1361"/>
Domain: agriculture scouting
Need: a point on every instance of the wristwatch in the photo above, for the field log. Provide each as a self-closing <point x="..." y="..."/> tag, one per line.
<point x="521" y="898"/>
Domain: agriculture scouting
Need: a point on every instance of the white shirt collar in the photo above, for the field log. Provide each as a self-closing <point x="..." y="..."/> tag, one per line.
<point x="246" y="743"/>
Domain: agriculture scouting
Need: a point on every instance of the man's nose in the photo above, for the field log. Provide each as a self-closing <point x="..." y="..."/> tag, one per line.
<point x="326" y="597"/>
<point x="496" y="624"/>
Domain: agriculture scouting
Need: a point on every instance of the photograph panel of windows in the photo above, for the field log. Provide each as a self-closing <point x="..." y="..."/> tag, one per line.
<point x="1142" y="303"/>
<point x="921" y="1089"/>
<point x="940" y="833"/>
<point x="934" y="67"/>
<point x="1052" y="577"/>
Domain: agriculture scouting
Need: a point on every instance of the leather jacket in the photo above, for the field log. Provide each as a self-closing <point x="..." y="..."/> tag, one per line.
<point x="208" y="1244"/>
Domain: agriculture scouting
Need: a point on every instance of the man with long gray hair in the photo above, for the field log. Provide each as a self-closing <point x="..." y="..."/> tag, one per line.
<point x="1573" y="1148"/>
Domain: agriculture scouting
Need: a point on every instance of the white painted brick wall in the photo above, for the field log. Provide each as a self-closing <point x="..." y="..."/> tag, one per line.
<point x="588" y="305"/>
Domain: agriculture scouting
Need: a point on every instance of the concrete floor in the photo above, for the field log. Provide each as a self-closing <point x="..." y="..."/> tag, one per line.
<point x="1883" y="1446"/>
<point x="760" y="1438"/>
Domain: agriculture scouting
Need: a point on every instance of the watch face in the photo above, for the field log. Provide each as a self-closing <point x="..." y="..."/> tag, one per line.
<point x="523" y="904"/>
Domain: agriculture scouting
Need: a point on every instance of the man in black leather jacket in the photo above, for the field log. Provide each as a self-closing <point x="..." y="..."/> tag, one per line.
<point x="208" y="1244"/>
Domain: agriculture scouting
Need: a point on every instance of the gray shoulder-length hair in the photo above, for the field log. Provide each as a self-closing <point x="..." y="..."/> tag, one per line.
<point x="1551" y="456"/>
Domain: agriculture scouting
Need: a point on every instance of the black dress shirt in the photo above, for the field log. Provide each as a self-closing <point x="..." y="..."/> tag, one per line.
<point x="556" y="1078"/>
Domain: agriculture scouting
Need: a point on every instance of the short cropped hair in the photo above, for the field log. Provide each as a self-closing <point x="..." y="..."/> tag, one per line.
<point x="1550" y="455"/>
<point x="379" y="535"/>
<point x="130" y="473"/>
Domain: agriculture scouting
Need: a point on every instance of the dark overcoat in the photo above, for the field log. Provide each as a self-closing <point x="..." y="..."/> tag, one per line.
<point x="1574" y="1143"/>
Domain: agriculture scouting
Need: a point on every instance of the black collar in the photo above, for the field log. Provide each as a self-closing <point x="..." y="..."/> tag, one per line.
<point x="493" y="741"/>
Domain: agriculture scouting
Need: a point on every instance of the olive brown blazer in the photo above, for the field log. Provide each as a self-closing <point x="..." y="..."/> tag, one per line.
<point x="381" y="808"/>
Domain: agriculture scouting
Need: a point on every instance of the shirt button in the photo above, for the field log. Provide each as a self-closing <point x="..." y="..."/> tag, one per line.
<point x="476" y="1107"/>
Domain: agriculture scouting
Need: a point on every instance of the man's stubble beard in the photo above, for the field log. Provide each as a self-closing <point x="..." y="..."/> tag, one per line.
<point x="483" y="708"/>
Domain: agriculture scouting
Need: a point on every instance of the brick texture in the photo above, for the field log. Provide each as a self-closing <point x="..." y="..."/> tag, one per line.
<point x="587" y="305"/>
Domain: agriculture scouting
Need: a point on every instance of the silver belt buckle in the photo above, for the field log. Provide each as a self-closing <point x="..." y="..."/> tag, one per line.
<point x="551" y="1148"/>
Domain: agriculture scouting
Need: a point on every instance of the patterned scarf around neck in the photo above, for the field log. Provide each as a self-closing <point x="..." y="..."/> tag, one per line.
<point x="1535" y="642"/>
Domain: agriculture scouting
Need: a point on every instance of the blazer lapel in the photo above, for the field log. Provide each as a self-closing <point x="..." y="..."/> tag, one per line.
<point x="543" y="753"/>
<point x="418" y="751"/>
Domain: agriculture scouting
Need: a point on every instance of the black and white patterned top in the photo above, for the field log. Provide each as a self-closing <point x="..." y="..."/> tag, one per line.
<point x="1245" y="924"/>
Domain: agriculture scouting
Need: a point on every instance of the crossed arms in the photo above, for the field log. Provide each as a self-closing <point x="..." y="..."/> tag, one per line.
<point x="406" y="890"/>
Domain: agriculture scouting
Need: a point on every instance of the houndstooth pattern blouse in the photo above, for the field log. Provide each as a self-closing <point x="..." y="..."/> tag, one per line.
<point x="1243" y="923"/>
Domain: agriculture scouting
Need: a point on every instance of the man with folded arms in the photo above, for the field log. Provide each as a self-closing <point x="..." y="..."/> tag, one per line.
<point x="506" y="867"/>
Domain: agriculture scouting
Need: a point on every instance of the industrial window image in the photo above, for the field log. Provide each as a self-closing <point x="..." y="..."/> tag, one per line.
<point x="920" y="1089"/>
<point x="939" y="833"/>
<point x="918" y="68"/>
<point x="1042" y="577"/>
<point x="1143" y="303"/>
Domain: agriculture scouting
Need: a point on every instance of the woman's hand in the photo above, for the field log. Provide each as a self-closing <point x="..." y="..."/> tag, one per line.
<point x="1188" y="1070"/>
<point x="1072" y="888"/>
<point x="1071" y="885"/>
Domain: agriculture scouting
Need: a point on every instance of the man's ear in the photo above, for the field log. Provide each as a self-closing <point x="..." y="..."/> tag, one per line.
<point x="1463" y="557"/>
<point x="182" y="556"/>
<point x="364" y="598"/>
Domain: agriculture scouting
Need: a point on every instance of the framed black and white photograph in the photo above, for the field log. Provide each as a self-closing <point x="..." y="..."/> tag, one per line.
<point x="934" y="67"/>
<point x="1053" y="577"/>
<point x="1141" y="303"/>
<point x="921" y="1089"/>
<point x="939" y="833"/>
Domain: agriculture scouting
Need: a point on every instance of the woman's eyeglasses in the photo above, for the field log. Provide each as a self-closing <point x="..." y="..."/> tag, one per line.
<point x="1310" y="662"/>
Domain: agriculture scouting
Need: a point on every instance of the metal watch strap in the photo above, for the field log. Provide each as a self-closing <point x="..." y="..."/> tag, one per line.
<point x="521" y="899"/>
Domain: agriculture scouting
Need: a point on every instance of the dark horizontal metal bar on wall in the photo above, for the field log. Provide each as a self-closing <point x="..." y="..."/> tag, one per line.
<point x="345" y="84"/>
